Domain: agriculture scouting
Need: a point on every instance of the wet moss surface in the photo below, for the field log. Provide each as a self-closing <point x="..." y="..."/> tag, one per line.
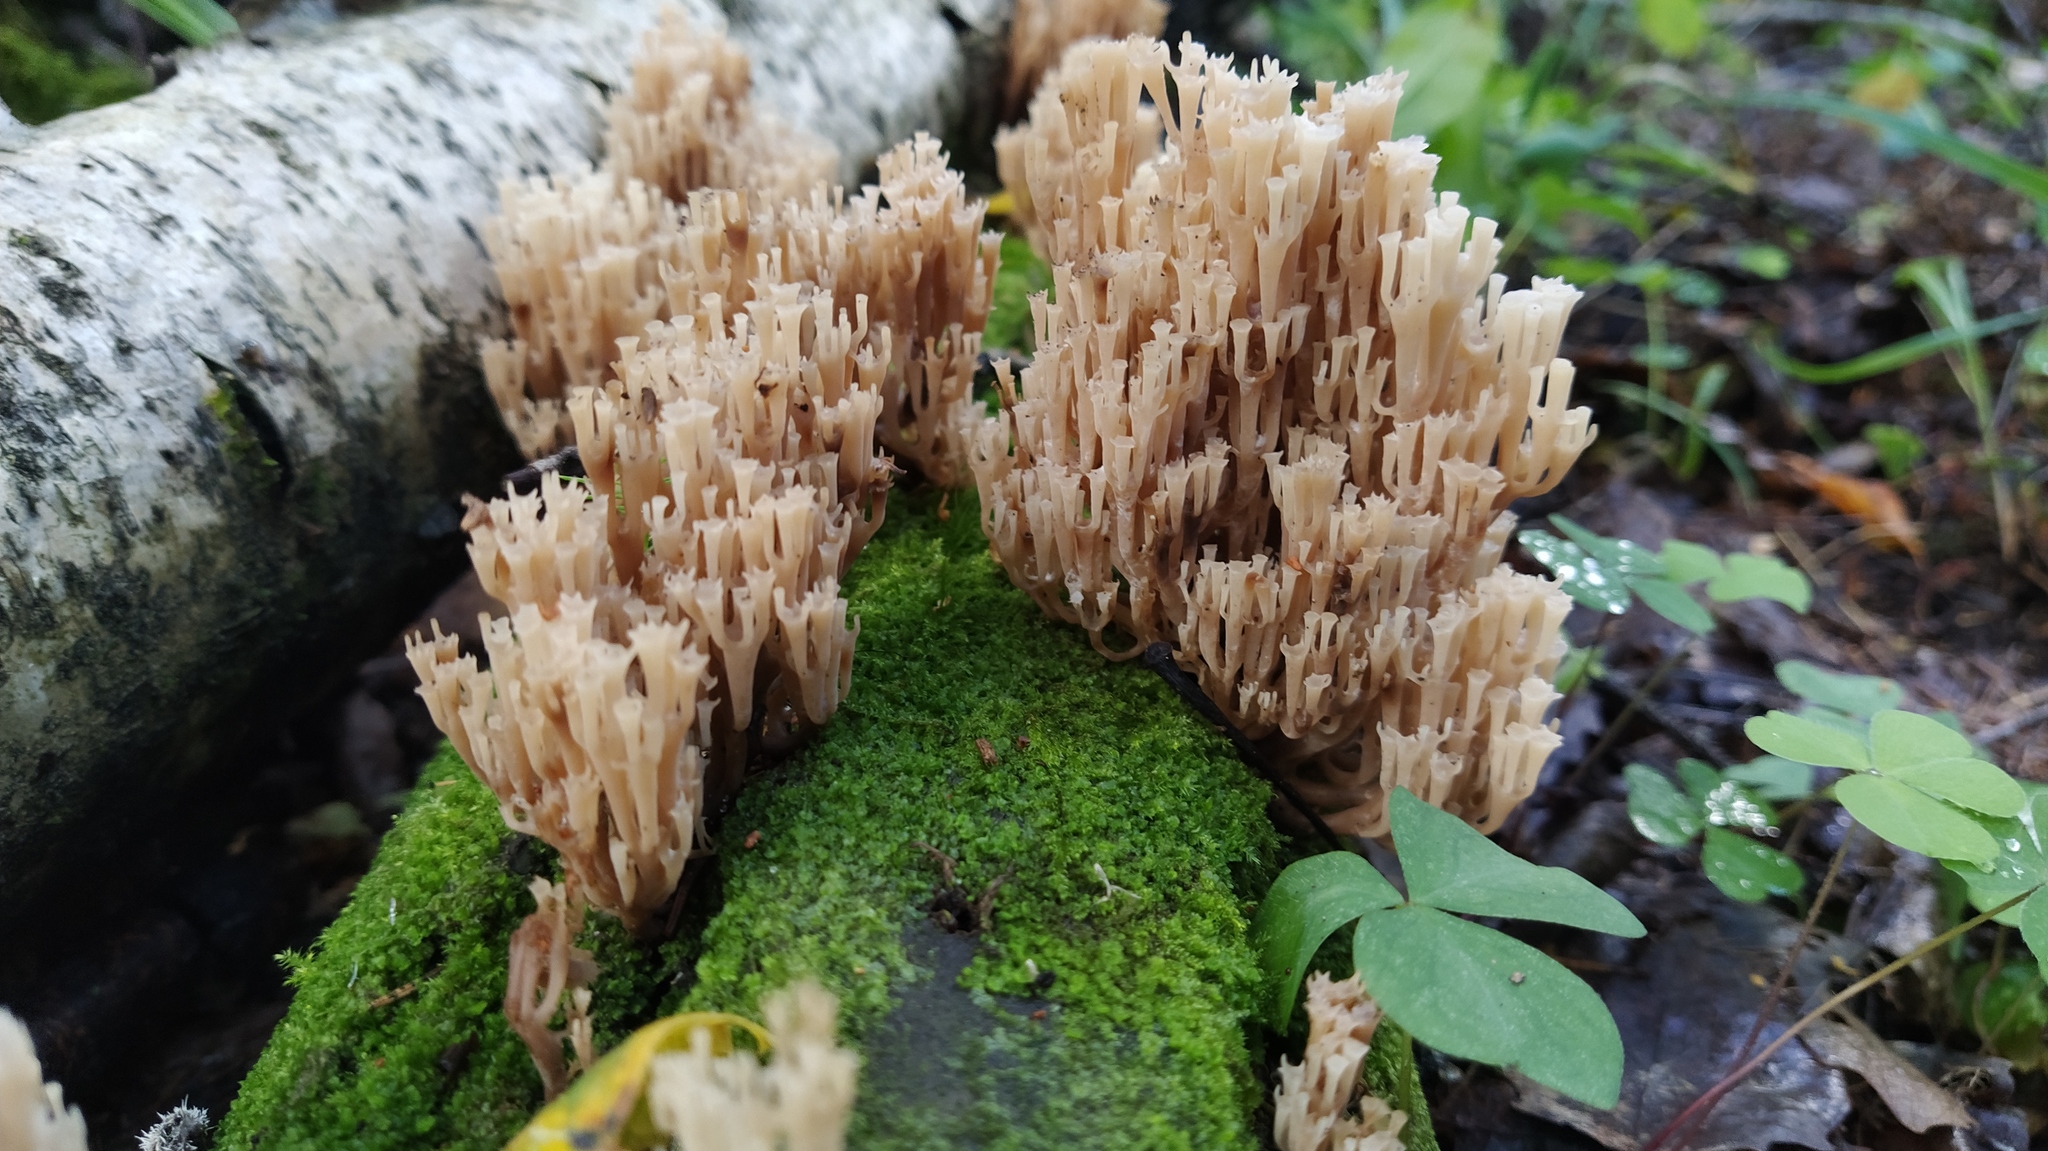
<point x="1100" y="1003"/>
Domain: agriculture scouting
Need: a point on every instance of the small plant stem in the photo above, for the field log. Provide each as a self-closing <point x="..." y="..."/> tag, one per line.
<point x="1820" y="899"/>
<point x="1977" y="995"/>
<point x="1698" y="1109"/>
<point x="2005" y="506"/>
<point x="1659" y="378"/>
<point x="1634" y="704"/>
<point x="1769" y="1004"/>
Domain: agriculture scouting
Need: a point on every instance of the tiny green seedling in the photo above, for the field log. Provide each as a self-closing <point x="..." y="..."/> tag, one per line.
<point x="1606" y="574"/>
<point x="1728" y="809"/>
<point x="1464" y="989"/>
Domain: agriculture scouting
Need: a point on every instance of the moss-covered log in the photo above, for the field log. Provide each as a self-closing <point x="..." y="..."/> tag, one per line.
<point x="1101" y="1004"/>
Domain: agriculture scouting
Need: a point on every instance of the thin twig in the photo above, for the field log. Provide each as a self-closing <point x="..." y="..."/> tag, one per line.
<point x="2013" y="726"/>
<point x="1698" y="1109"/>
<point x="1769" y="1005"/>
<point x="1628" y="711"/>
<point x="1784" y="977"/>
<point x="1660" y="715"/>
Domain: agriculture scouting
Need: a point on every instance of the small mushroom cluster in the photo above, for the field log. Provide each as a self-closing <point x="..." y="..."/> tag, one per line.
<point x="1280" y="404"/>
<point x="1319" y="1104"/>
<point x="799" y="1099"/>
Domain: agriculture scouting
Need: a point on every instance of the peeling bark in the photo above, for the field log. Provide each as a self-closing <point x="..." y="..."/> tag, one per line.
<point x="238" y="381"/>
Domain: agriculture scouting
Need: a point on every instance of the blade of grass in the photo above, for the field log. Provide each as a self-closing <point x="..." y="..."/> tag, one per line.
<point x="2023" y="179"/>
<point x="1738" y="468"/>
<point x="1892" y="357"/>
<point x="198" y="22"/>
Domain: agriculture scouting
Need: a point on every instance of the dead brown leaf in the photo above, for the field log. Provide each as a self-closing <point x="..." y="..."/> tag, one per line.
<point x="1915" y="1100"/>
<point x="1874" y="503"/>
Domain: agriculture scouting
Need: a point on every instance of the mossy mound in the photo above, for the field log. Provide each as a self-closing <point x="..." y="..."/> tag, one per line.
<point x="1130" y="1033"/>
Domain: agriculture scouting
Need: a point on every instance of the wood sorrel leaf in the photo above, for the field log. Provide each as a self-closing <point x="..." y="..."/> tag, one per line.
<point x="1914" y="820"/>
<point x="1746" y="870"/>
<point x="1473" y="993"/>
<point x="1660" y="811"/>
<point x="1970" y="783"/>
<point x="1673" y="603"/>
<point x="2020" y="866"/>
<point x="1898" y="738"/>
<point x="1452" y="867"/>
<point x="1774" y="778"/>
<point x="1805" y="741"/>
<point x="1863" y="695"/>
<point x="1311" y="899"/>
<point x="1687" y="562"/>
<point x="1732" y="805"/>
<point x="1589" y="581"/>
<point x="1625" y="556"/>
<point x="1699" y="777"/>
<point x="2034" y="922"/>
<point x="1761" y="577"/>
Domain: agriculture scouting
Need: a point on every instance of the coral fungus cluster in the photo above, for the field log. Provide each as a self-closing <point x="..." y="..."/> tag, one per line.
<point x="33" y="1115"/>
<point x="799" y="1100"/>
<point x="1313" y="1108"/>
<point x="730" y="371"/>
<point x="1279" y="406"/>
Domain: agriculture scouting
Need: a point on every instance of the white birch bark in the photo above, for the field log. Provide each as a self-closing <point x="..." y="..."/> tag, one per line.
<point x="238" y="392"/>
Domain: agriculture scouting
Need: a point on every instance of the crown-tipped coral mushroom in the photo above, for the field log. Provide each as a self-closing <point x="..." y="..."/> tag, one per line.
<point x="700" y="195"/>
<point x="547" y="973"/>
<point x="1279" y="407"/>
<point x="33" y="1116"/>
<point x="579" y="257"/>
<point x="689" y="587"/>
<point x="799" y="1101"/>
<point x="1042" y="29"/>
<point x="729" y="371"/>
<point x="1312" y="1106"/>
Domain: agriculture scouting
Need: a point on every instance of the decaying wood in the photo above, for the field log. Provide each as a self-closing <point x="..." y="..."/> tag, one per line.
<point x="238" y="383"/>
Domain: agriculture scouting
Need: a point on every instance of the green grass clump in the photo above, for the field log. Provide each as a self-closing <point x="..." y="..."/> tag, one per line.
<point x="1142" y="1043"/>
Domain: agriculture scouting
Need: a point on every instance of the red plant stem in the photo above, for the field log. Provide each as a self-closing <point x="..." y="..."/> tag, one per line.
<point x="1784" y="976"/>
<point x="1699" y="1108"/>
<point x="1769" y="1004"/>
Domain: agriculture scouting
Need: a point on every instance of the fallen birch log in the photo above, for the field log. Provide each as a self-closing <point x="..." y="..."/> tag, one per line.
<point x="239" y="391"/>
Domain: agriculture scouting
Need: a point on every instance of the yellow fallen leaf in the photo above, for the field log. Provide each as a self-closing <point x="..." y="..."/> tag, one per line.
<point x="606" y="1108"/>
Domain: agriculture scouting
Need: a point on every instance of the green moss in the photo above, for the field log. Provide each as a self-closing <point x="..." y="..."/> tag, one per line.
<point x="1141" y="1044"/>
<point x="1390" y="1075"/>
<point x="1009" y="317"/>
<point x="352" y="1065"/>
<point x="244" y="447"/>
